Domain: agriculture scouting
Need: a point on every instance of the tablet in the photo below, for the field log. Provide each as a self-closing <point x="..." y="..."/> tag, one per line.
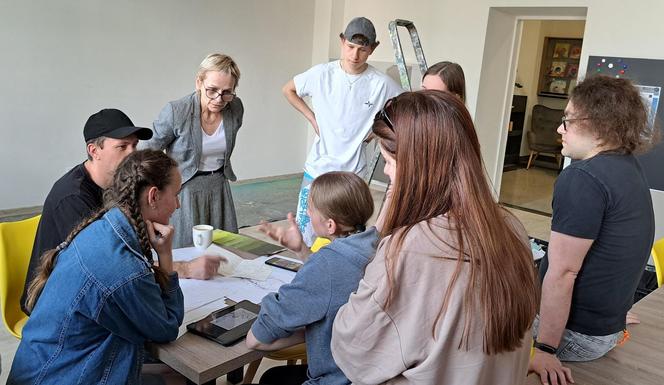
<point x="228" y="325"/>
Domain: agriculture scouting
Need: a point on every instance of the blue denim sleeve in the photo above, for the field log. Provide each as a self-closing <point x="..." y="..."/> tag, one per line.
<point x="139" y="311"/>
<point x="302" y="302"/>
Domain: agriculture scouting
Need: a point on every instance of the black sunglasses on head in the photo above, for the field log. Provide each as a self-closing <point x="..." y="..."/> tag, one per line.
<point x="382" y="115"/>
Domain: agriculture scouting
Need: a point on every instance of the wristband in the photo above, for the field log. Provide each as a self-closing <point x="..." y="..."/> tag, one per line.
<point x="545" y="348"/>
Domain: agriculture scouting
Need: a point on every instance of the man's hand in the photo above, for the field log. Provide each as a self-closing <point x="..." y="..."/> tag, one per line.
<point x="549" y="369"/>
<point x="314" y="123"/>
<point x="203" y="267"/>
<point x="291" y="95"/>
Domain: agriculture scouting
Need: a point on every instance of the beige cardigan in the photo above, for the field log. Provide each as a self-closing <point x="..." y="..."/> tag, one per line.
<point x="372" y="346"/>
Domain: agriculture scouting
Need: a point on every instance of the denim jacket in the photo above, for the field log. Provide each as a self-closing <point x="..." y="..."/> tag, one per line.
<point x="99" y="306"/>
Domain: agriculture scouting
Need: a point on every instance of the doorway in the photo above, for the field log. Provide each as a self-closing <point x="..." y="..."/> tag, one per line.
<point x="548" y="60"/>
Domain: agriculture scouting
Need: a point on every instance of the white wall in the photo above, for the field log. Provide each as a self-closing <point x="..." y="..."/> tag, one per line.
<point x="64" y="60"/>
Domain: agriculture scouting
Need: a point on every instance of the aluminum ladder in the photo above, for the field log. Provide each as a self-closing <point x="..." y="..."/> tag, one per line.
<point x="403" y="70"/>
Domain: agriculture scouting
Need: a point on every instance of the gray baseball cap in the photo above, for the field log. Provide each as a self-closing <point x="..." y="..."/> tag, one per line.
<point x="361" y="26"/>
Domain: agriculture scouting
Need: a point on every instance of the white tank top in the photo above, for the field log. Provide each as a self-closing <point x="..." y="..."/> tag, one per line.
<point x="214" y="149"/>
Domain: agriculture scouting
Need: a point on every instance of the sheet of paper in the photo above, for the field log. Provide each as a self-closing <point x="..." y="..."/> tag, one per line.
<point x="235" y="266"/>
<point x="203" y="297"/>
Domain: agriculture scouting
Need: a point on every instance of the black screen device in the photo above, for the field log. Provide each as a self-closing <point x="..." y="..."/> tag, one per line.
<point x="228" y="325"/>
<point x="284" y="264"/>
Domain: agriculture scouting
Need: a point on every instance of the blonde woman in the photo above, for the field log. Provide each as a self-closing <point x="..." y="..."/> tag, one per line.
<point x="199" y="132"/>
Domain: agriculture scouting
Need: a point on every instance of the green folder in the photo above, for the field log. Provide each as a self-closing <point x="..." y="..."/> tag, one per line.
<point x="245" y="243"/>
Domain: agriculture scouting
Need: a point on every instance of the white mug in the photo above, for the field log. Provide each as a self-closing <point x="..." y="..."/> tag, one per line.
<point x="202" y="236"/>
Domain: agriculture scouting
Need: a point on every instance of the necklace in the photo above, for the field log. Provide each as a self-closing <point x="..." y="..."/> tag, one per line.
<point x="348" y="78"/>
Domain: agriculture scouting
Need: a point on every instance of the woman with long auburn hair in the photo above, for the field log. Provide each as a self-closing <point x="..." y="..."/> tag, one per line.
<point x="452" y="293"/>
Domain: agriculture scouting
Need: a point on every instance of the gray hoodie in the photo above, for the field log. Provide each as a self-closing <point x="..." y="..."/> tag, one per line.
<point x="313" y="298"/>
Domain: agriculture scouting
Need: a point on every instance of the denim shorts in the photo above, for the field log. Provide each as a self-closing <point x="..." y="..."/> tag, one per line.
<point x="301" y="216"/>
<point x="581" y="347"/>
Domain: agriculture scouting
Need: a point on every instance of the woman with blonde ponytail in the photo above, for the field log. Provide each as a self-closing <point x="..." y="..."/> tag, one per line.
<point x="99" y="296"/>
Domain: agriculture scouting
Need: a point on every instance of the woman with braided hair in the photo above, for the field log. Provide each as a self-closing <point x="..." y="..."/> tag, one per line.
<point x="99" y="296"/>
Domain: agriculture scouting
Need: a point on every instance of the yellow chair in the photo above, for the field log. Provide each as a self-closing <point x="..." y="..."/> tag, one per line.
<point x="658" y="258"/>
<point x="16" y="239"/>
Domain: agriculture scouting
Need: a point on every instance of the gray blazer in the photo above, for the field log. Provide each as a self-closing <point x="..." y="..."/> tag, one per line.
<point x="177" y="130"/>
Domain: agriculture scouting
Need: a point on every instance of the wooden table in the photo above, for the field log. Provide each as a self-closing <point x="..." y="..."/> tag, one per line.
<point x="200" y="360"/>
<point x="203" y="361"/>
<point x="640" y="361"/>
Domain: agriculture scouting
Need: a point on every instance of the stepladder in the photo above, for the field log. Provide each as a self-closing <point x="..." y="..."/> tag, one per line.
<point x="403" y="73"/>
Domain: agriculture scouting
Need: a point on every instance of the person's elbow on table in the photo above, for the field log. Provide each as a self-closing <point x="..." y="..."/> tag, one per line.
<point x="203" y="267"/>
<point x="252" y="343"/>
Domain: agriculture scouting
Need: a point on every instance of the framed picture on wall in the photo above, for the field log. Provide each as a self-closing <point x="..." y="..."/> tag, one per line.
<point x="558" y="87"/>
<point x="575" y="52"/>
<point x="561" y="50"/>
<point x="572" y="70"/>
<point x="558" y="69"/>
<point x="560" y="66"/>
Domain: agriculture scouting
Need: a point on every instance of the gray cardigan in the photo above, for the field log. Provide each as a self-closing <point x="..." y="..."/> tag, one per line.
<point x="177" y="129"/>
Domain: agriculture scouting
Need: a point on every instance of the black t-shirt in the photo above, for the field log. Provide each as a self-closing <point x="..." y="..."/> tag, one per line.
<point x="71" y="199"/>
<point x="605" y="198"/>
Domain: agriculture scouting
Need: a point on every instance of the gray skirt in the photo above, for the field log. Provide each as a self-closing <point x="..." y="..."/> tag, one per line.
<point x="204" y="200"/>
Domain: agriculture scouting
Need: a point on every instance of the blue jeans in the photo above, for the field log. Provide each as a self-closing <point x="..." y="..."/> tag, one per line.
<point x="581" y="347"/>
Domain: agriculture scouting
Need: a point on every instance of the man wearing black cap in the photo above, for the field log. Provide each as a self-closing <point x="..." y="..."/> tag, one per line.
<point x="109" y="136"/>
<point x="345" y="95"/>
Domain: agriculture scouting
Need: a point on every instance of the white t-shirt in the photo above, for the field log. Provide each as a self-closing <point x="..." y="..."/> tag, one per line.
<point x="345" y="106"/>
<point x="214" y="149"/>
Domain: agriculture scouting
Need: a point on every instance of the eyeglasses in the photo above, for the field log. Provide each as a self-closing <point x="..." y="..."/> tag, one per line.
<point x="213" y="93"/>
<point x="382" y="115"/>
<point x="564" y="121"/>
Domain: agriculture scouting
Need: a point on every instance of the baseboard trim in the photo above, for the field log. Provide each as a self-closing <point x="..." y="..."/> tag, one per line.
<point x="268" y="178"/>
<point x="11" y="215"/>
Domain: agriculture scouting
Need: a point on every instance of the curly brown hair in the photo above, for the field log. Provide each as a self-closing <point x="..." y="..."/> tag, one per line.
<point x="615" y="113"/>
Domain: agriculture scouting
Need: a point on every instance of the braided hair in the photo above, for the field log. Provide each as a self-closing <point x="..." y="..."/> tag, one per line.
<point x="137" y="172"/>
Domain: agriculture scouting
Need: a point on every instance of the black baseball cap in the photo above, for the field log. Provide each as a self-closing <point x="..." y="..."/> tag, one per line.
<point x="113" y="123"/>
